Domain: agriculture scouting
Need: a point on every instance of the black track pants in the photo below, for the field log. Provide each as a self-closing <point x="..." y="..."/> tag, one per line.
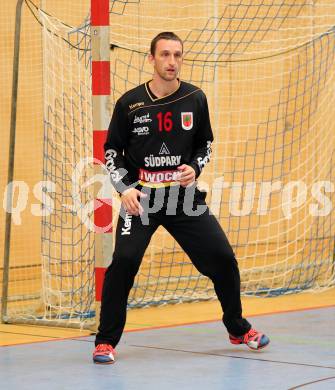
<point x="204" y="241"/>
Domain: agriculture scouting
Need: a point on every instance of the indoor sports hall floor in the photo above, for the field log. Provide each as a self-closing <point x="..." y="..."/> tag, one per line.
<point x="183" y="347"/>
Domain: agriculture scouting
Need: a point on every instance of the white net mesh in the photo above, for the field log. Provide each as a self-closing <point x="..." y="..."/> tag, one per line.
<point x="51" y="275"/>
<point x="267" y="69"/>
<point x="67" y="243"/>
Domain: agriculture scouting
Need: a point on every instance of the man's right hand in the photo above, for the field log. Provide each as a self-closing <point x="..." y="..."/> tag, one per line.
<point x="130" y="201"/>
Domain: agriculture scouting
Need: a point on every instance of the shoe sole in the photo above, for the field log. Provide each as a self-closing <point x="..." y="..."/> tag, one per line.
<point x="253" y="349"/>
<point x="257" y="349"/>
<point x="104" y="363"/>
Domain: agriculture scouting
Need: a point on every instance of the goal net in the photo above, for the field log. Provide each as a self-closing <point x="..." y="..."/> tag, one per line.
<point x="51" y="267"/>
<point x="267" y="68"/>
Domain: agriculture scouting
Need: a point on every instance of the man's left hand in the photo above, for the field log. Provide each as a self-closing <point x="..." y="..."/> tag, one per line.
<point x="187" y="175"/>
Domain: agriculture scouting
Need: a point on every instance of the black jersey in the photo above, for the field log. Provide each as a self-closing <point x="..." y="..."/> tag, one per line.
<point x="149" y="137"/>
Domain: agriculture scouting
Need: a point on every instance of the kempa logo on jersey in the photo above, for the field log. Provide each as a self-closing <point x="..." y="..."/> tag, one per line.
<point x="141" y="130"/>
<point x="187" y="120"/>
<point x="161" y="161"/>
<point x="136" y="105"/>
<point x="159" y="176"/>
<point x="142" y="119"/>
<point x="125" y="231"/>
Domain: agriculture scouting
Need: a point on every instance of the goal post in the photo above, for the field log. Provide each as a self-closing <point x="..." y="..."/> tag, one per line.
<point x="11" y="153"/>
<point x="267" y="69"/>
<point x="103" y="210"/>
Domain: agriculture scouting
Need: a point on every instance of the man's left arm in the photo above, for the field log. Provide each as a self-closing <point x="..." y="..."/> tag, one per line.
<point x="203" y="140"/>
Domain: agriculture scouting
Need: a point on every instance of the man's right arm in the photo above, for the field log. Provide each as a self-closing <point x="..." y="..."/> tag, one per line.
<point x="115" y="145"/>
<point x="117" y="139"/>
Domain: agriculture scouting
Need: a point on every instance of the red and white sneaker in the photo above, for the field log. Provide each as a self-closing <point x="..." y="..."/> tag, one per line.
<point x="104" y="354"/>
<point x="253" y="339"/>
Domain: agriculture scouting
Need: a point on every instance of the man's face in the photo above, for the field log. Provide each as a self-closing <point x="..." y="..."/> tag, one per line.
<point x="167" y="59"/>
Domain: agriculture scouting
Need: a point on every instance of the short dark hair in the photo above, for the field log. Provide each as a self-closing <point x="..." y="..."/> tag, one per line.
<point x="164" y="35"/>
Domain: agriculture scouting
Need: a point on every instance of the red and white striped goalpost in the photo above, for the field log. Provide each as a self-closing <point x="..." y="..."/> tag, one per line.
<point x="101" y="89"/>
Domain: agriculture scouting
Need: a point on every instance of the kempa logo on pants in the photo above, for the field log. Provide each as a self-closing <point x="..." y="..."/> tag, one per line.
<point x="125" y="231"/>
